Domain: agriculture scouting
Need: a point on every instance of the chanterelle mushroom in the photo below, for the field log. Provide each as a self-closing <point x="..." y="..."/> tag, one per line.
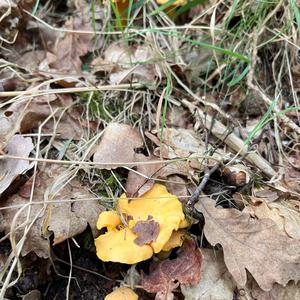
<point x="162" y="206"/>
<point x="151" y="221"/>
<point x="122" y="293"/>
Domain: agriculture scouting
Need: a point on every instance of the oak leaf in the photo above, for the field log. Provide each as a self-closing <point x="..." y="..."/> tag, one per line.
<point x="65" y="217"/>
<point x="249" y="244"/>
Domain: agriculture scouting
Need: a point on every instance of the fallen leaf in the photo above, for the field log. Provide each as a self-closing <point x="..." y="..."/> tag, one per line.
<point x="11" y="168"/>
<point x="166" y="275"/>
<point x="143" y="178"/>
<point x="32" y="295"/>
<point x="66" y="53"/>
<point x="176" y="185"/>
<point x="146" y="231"/>
<point x="117" y="146"/>
<point x="63" y="218"/>
<point x="250" y="244"/>
<point x="216" y="282"/>
<point x="124" y="64"/>
<point x="289" y="292"/>
<point x="182" y="143"/>
<point x="263" y="210"/>
<point x="24" y="117"/>
<point x="267" y="194"/>
<point x="286" y="217"/>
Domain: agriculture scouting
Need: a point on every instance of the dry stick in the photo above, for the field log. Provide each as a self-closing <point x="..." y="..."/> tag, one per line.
<point x="195" y="197"/>
<point x="71" y="90"/>
<point x="234" y="142"/>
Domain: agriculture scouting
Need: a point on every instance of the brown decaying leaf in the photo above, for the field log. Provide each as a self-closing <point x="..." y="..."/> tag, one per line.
<point x="66" y="53"/>
<point x="11" y="168"/>
<point x="64" y="218"/>
<point x="285" y="216"/>
<point x="118" y="145"/>
<point x="127" y="64"/>
<point x="249" y="244"/>
<point x="166" y="275"/>
<point x="181" y="142"/>
<point x="146" y="231"/>
<point x="216" y="282"/>
<point x="290" y="292"/>
<point x="24" y="117"/>
<point x="142" y="180"/>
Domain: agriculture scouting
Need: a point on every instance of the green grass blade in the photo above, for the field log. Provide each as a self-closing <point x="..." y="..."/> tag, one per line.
<point x="237" y="79"/>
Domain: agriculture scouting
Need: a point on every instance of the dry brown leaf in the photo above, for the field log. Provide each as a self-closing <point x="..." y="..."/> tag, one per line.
<point x="166" y="275"/>
<point x="65" y="55"/>
<point x="286" y="218"/>
<point x="266" y="193"/>
<point x="263" y="210"/>
<point x="124" y="64"/>
<point x="146" y="231"/>
<point x="290" y="292"/>
<point x="118" y="145"/>
<point x="20" y="117"/>
<point x="32" y="295"/>
<point x="249" y="244"/>
<point x="142" y="180"/>
<point x="181" y="142"/>
<point x="11" y="168"/>
<point x="216" y="283"/>
<point x="64" y="218"/>
<point x="176" y="185"/>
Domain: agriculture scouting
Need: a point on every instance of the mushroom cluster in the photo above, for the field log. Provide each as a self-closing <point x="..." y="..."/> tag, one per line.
<point x="141" y="227"/>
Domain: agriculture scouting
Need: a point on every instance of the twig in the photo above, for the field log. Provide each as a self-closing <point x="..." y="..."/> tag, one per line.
<point x="233" y="141"/>
<point x="71" y="90"/>
<point x="194" y="198"/>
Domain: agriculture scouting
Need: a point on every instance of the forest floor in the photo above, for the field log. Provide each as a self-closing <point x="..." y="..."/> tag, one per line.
<point x="189" y="110"/>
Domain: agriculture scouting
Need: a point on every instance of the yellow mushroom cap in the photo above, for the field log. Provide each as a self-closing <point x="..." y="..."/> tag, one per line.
<point x="162" y="206"/>
<point x="119" y="246"/>
<point x="176" y="240"/>
<point x="122" y="293"/>
<point x="109" y="219"/>
<point x="175" y="3"/>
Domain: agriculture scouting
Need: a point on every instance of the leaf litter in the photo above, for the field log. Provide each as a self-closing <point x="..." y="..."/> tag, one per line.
<point x="196" y="123"/>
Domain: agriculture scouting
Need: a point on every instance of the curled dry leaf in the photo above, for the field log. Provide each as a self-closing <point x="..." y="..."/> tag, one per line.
<point x="118" y="146"/>
<point x="146" y="231"/>
<point x="10" y="168"/>
<point x="216" y="282"/>
<point x="249" y="244"/>
<point x="64" y="218"/>
<point x="166" y="275"/>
